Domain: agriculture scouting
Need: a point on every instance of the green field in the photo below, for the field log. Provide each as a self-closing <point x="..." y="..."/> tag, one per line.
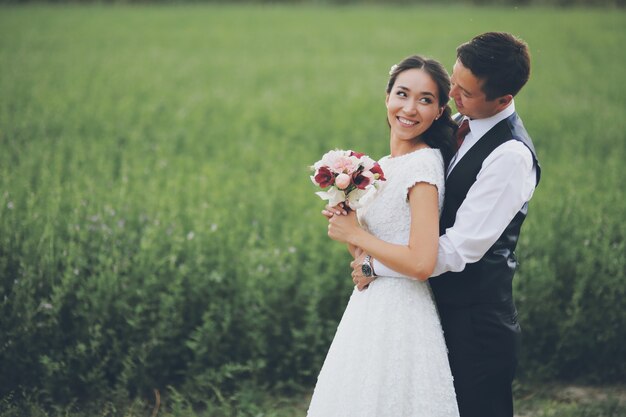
<point x="158" y="227"/>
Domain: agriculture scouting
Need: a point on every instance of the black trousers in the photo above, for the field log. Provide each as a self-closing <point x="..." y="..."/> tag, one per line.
<point x="483" y="343"/>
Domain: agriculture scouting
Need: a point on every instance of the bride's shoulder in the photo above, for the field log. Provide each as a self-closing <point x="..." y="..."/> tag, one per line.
<point x="423" y="157"/>
<point x="427" y="155"/>
<point x="426" y="161"/>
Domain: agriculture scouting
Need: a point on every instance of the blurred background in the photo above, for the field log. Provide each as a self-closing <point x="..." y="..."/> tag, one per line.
<point x="161" y="247"/>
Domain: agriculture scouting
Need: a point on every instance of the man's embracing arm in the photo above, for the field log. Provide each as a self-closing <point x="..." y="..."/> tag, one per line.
<point x="504" y="184"/>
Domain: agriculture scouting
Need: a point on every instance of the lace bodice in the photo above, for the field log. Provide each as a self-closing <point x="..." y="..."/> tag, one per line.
<point x="387" y="214"/>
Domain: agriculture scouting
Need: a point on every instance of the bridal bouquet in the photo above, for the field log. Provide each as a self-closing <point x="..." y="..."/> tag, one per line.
<point x="346" y="176"/>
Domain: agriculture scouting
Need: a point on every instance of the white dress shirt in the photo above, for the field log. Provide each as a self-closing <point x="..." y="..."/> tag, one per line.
<point x="504" y="183"/>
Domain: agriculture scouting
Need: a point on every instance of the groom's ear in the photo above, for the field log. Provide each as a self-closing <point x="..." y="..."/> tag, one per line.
<point x="505" y="100"/>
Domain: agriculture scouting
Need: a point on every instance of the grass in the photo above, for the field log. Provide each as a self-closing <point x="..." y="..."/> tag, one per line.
<point x="552" y="400"/>
<point x="158" y="227"/>
<point x="531" y="400"/>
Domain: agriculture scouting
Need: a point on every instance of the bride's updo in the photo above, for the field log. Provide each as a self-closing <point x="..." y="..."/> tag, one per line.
<point x="440" y="134"/>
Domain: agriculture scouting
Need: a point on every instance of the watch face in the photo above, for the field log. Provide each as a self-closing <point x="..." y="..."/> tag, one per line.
<point x="367" y="270"/>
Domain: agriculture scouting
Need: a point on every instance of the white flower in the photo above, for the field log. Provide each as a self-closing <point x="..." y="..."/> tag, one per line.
<point x="367" y="162"/>
<point x="363" y="196"/>
<point x="334" y="196"/>
<point x="355" y="197"/>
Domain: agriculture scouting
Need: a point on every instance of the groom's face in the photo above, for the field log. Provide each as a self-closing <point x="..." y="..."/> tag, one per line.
<point x="468" y="96"/>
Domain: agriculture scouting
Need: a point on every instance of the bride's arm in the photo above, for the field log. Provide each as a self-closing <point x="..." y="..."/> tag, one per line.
<point x="418" y="258"/>
<point x="329" y="212"/>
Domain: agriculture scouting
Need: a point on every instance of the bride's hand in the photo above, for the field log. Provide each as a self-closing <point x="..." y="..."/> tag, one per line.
<point x="338" y="210"/>
<point x="342" y="228"/>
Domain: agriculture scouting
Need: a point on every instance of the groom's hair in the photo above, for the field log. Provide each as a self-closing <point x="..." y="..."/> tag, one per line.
<point x="499" y="59"/>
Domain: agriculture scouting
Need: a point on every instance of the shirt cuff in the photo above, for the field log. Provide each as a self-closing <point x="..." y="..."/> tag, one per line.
<point x="382" y="270"/>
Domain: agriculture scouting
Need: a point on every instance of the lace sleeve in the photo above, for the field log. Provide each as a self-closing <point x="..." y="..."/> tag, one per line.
<point x="424" y="167"/>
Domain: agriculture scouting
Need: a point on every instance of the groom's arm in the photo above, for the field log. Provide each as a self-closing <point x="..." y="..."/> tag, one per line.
<point x="362" y="282"/>
<point x="380" y="269"/>
<point x="504" y="184"/>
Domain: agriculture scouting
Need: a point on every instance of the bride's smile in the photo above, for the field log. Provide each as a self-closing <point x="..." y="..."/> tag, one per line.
<point x="406" y="122"/>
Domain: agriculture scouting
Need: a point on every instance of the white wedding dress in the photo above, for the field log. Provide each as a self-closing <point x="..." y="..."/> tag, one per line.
<point x="388" y="357"/>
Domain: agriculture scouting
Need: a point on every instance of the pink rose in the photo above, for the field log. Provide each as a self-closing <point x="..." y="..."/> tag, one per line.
<point x="324" y="177"/>
<point x="345" y="164"/>
<point x="343" y="181"/>
<point x="357" y="154"/>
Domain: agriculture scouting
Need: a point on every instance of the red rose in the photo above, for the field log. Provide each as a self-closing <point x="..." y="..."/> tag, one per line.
<point x="376" y="169"/>
<point x="324" y="177"/>
<point x="361" y="181"/>
<point x="357" y="154"/>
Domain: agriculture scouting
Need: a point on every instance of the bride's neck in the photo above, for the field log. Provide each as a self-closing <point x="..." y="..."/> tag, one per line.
<point x="402" y="147"/>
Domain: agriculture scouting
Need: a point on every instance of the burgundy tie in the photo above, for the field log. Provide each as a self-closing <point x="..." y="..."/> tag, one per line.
<point x="460" y="134"/>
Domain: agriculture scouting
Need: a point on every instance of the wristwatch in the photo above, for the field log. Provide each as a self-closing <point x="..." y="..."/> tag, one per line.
<point x="366" y="267"/>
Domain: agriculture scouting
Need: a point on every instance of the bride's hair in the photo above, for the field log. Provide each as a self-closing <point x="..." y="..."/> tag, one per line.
<point x="441" y="133"/>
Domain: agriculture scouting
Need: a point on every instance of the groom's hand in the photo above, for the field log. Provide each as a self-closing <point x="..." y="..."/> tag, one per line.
<point x="361" y="281"/>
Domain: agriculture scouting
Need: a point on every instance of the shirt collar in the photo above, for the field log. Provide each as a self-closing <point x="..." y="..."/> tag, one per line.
<point x="479" y="127"/>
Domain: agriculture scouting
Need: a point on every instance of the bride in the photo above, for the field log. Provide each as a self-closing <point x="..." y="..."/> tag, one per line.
<point x="388" y="357"/>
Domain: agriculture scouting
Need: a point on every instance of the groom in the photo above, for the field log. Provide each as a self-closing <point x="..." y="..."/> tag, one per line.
<point x="488" y="185"/>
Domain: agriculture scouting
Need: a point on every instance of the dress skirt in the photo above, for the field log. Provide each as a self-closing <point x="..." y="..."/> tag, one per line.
<point x="388" y="357"/>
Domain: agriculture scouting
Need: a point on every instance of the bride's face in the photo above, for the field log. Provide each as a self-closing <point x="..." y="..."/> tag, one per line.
<point x="412" y="104"/>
